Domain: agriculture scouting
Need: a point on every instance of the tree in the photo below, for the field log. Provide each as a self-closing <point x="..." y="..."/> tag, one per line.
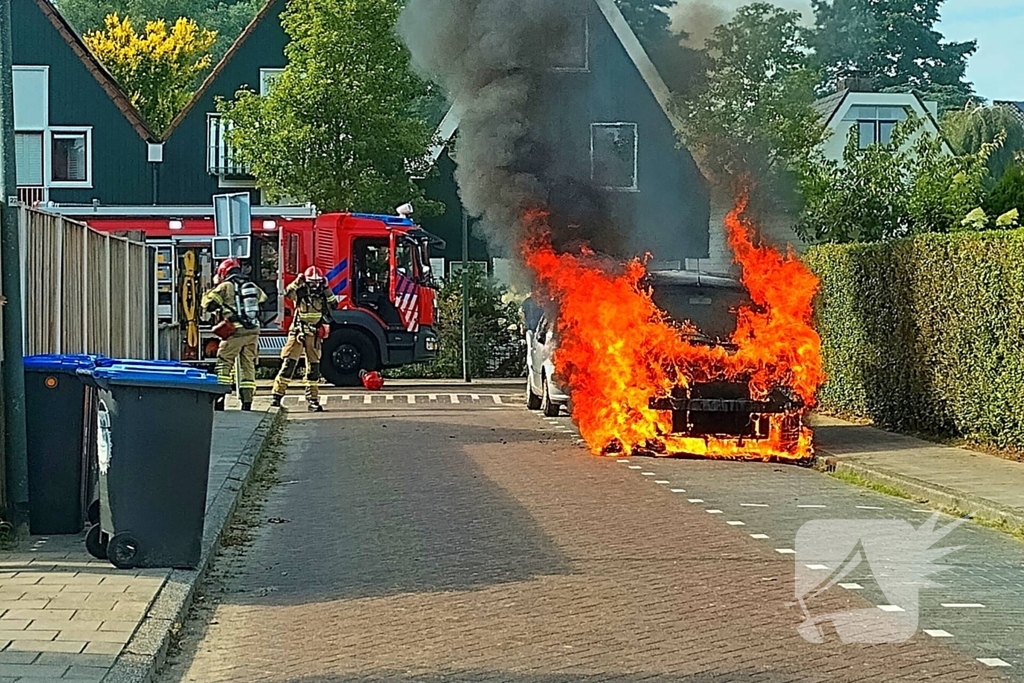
<point x="648" y="19"/>
<point x="157" y="69"/>
<point x="226" y="18"/>
<point x="1008" y="193"/>
<point x="909" y="186"/>
<point x="894" y="42"/>
<point x="754" y="116"/>
<point x="969" y="129"/>
<point x="339" y="127"/>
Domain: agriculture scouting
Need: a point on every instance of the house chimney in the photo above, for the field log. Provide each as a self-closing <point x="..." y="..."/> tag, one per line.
<point x="856" y="81"/>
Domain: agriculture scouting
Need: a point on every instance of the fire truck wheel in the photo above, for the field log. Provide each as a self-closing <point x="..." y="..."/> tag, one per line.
<point x="550" y="408"/>
<point x="96" y="542"/>
<point x="532" y="400"/>
<point x="346" y="352"/>
<point x="122" y="551"/>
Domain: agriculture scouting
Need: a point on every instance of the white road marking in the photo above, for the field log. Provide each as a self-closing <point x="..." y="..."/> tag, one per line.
<point x="938" y="633"/>
<point x="970" y="605"/>
<point x="661" y="481"/>
<point x="678" y="490"/>
<point x="891" y="608"/>
<point x="759" y="537"/>
<point x="851" y="586"/>
<point x="696" y="500"/>
<point x="635" y="467"/>
<point x="367" y="400"/>
<point x="410" y="398"/>
<point x="432" y="397"/>
<point x="475" y="397"/>
<point x="817" y="567"/>
<point x="714" y="512"/>
<point x="497" y="399"/>
<point x="785" y="551"/>
<point x="992" y="661"/>
<point x="324" y="400"/>
<point x="753" y="505"/>
<point x="868" y="507"/>
<point x="920" y="510"/>
<point x="736" y="523"/>
<point x="346" y="397"/>
<point x="623" y="461"/>
<point x="389" y="397"/>
<point x="649" y="474"/>
<point x="454" y="398"/>
<point x="812" y="507"/>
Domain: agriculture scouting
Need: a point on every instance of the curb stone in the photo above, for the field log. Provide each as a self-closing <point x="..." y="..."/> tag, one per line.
<point x="933" y="494"/>
<point x="147" y="649"/>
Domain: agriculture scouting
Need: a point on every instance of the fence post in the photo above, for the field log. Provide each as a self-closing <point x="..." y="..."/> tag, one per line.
<point x="127" y="298"/>
<point x="110" y="303"/>
<point x="59" y="304"/>
<point x="85" y="291"/>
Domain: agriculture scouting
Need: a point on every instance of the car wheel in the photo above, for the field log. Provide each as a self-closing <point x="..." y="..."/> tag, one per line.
<point x="550" y="408"/>
<point x="345" y="354"/>
<point x="532" y="400"/>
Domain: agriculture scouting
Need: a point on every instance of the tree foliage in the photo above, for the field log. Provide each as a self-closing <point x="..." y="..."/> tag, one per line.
<point x="894" y="42"/>
<point x="973" y="127"/>
<point x="1008" y="193"/>
<point x="226" y="18"/>
<point x="907" y="187"/>
<point x="339" y="127"/>
<point x="754" y="114"/>
<point x="157" y="68"/>
<point x="648" y="19"/>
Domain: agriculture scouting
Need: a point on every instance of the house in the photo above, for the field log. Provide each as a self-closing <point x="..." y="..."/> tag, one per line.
<point x="874" y="115"/>
<point x="78" y="139"/>
<point x="1016" y="108"/>
<point x="609" y="117"/>
<point x="198" y="160"/>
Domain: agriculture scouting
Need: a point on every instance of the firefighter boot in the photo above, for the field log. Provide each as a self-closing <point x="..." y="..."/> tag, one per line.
<point x="247" y="407"/>
<point x="276" y="401"/>
<point x="315" y="407"/>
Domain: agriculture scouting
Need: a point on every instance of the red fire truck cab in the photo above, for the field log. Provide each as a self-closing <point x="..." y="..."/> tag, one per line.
<point x="377" y="265"/>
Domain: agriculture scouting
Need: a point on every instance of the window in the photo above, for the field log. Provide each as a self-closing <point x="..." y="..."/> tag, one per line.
<point x="220" y="153"/>
<point x="267" y="79"/>
<point x="875" y="125"/>
<point x="574" y="53"/>
<point x="292" y="252"/>
<point x="69" y="156"/>
<point x="31" y="91"/>
<point x="28" y="156"/>
<point x="613" y="155"/>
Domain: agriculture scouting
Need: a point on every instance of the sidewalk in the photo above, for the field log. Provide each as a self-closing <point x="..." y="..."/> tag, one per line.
<point x="67" y="616"/>
<point x="943" y="475"/>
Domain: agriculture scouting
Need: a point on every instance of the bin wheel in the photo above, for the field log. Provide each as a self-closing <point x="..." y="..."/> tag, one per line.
<point x="96" y="542"/>
<point x="93" y="515"/>
<point x="122" y="551"/>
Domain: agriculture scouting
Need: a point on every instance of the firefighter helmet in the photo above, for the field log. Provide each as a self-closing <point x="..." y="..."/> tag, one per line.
<point x="314" y="275"/>
<point x="227" y="267"/>
<point x="371" y="380"/>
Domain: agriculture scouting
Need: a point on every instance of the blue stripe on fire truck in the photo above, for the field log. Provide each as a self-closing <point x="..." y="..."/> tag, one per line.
<point x="337" y="277"/>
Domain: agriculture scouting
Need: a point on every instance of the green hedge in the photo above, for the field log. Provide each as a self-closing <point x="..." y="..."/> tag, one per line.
<point x="926" y="334"/>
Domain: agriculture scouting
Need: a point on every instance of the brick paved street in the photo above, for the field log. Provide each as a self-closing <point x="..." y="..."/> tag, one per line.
<point x="442" y="542"/>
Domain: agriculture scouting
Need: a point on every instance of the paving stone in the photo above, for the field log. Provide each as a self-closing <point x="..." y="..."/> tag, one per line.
<point x="94" y="636"/>
<point x="68" y="646"/>
<point x="28" y="635"/>
<point x="98" y="648"/>
<point x="86" y="673"/>
<point x="31" y="671"/>
<point x="122" y="626"/>
<point x="17" y="657"/>
<point x="66" y="659"/>
<point x="33" y="614"/>
<point x="21" y="605"/>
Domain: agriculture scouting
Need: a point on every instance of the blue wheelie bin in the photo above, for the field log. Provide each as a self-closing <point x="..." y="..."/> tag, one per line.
<point x="155" y="424"/>
<point x="60" y="412"/>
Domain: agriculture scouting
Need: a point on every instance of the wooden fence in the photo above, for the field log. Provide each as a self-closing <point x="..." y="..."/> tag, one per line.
<point x="85" y="291"/>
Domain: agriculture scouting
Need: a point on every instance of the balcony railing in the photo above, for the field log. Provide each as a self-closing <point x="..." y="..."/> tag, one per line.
<point x="32" y="196"/>
<point x="220" y="154"/>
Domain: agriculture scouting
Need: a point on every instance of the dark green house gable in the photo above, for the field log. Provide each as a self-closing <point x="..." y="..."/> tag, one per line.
<point x="197" y="165"/>
<point x="78" y="138"/>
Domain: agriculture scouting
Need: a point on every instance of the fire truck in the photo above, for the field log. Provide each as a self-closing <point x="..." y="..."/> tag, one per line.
<point x="377" y="265"/>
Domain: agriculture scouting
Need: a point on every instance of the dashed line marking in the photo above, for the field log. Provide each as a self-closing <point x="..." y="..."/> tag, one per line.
<point x="891" y="608"/>
<point x="389" y="397"/>
<point x="649" y="474"/>
<point x="454" y="398"/>
<point x="817" y="567"/>
<point x="695" y="501"/>
<point x="812" y="507"/>
<point x="410" y="398"/>
<point x="759" y="537"/>
<point x="346" y="397"/>
<point x="367" y="400"/>
<point x="868" y="507"/>
<point x="851" y="586"/>
<point x="635" y="467"/>
<point x="921" y="510"/>
<point x="432" y="397"/>
<point x="475" y="397"/>
<point x="938" y="633"/>
<point x="661" y="481"/>
<point x="324" y="400"/>
<point x="678" y="490"/>
<point x="497" y="399"/>
<point x="753" y="505"/>
<point x="785" y="551"/>
<point x="623" y="461"/>
<point x="992" y="661"/>
<point x="968" y="605"/>
<point x="714" y="512"/>
<point x="736" y="523"/>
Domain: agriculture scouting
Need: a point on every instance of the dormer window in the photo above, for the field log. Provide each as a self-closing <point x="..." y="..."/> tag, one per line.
<point x="875" y="125"/>
<point x="574" y="54"/>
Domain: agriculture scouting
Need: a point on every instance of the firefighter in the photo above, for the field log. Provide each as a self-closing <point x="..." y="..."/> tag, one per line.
<point x="313" y="303"/>
<point x="236" y="300"/>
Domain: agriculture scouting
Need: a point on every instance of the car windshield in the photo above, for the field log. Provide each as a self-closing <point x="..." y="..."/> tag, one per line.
<point x="710" y="303"/>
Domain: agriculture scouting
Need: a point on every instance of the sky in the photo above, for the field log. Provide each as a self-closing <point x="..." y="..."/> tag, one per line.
<point x="997" y="69"/>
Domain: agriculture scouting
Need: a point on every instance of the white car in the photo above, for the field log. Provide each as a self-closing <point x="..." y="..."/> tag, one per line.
<point x="542" y="391"/>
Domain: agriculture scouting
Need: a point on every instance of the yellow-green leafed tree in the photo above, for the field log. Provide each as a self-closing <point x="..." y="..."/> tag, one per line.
<point x="158" y="69"/>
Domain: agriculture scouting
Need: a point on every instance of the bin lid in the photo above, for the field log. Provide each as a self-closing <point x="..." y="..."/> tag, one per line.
<point x="68" y="364"/>
<point x="158" y="376"/>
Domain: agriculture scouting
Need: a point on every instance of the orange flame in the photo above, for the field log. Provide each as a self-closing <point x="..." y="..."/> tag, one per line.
<point x="617" y="351"/>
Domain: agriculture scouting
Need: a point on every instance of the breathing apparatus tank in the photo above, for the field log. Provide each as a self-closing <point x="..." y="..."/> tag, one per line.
<point x="248" y="295"/>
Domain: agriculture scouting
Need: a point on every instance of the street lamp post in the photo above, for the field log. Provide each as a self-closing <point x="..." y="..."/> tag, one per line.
<point x="465" y="297"/>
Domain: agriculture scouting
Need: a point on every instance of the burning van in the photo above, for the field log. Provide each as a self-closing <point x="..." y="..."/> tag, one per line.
<point x="704" y="308"/>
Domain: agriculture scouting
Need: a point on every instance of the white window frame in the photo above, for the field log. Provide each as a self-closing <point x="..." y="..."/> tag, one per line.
<point x="636" y="154"/>
<point x="46" y="96"/>
<point x="223" y="181"/>
<point x="42" y="155"/>
<point x="586" y="51"/>
<point x="59" y="131"/>
<point x="264" y="91"/>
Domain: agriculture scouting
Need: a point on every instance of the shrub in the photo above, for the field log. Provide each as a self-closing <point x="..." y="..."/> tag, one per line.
<point x="1008" y="193"/>
<point x="926" y="334"/>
